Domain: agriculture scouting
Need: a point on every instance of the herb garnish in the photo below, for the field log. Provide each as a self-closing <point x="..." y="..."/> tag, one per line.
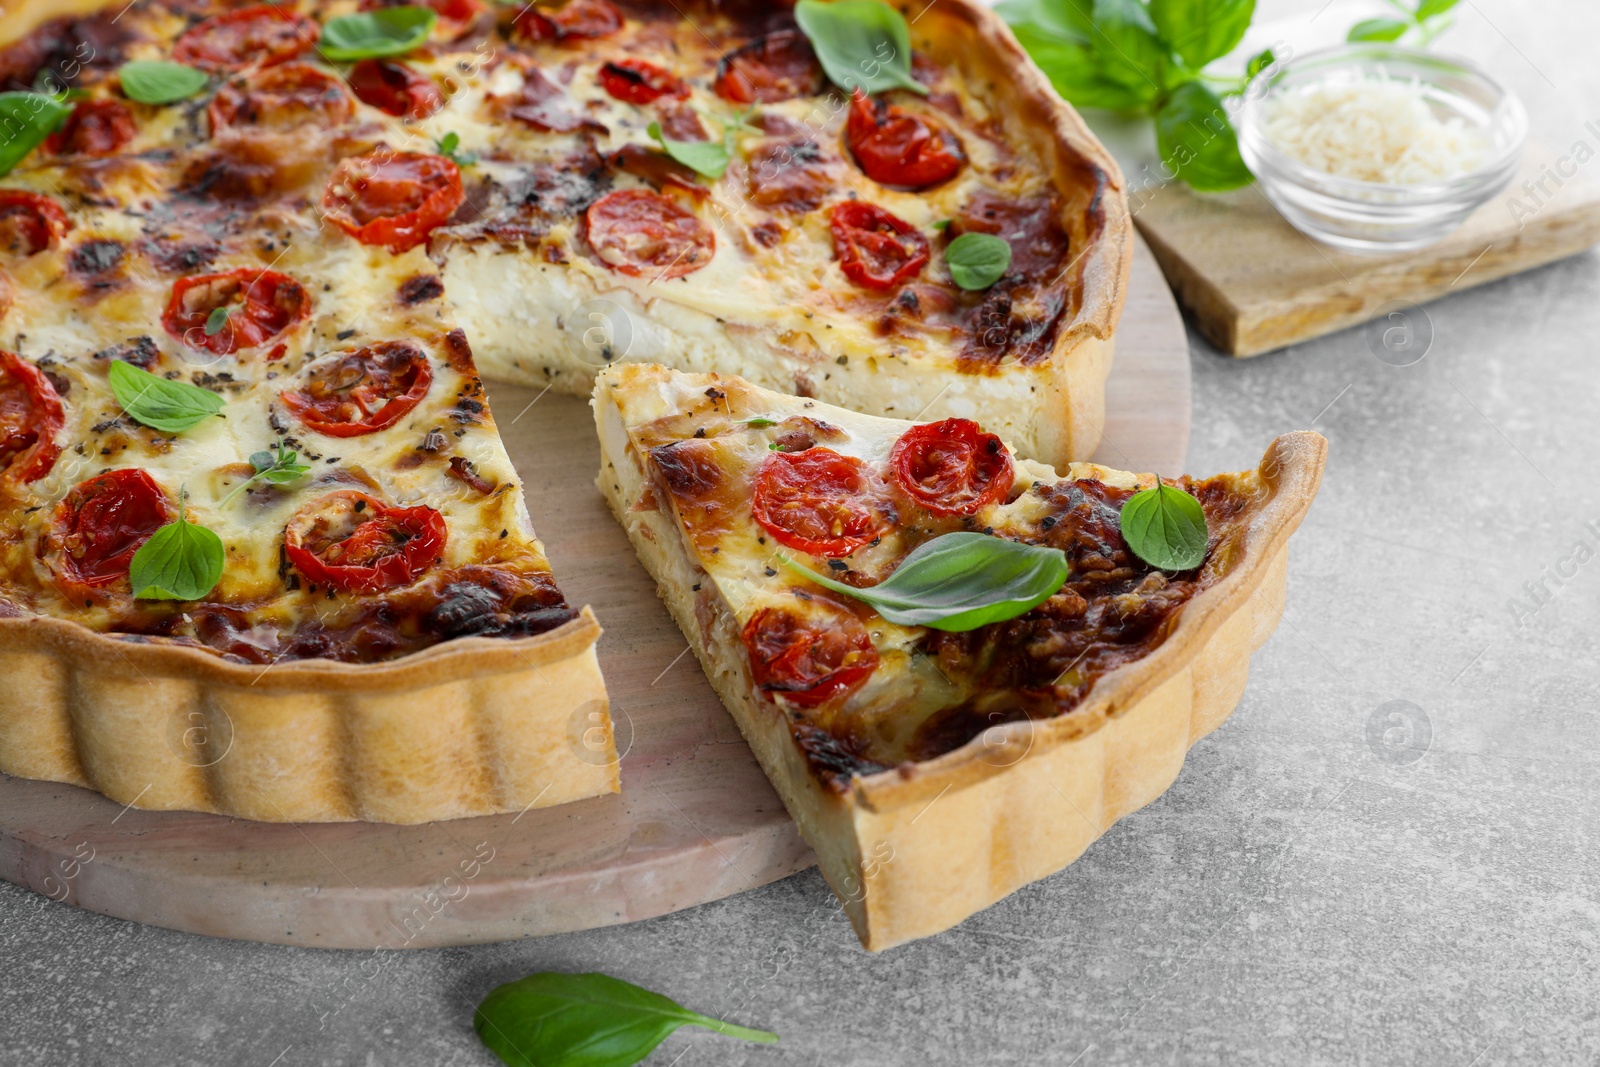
<point x="389" y="31"/>
<point x="449" y="146"/>
<point x="216" y="320"/>
<point x="1165" y="527"/>
<point x="959" y="581"/>
<point x="708" y="158"/>
<point x="158" y="82"/>
<point x="27" y="119"/>
<point x="280" y="466"/>
<point x="161" y="404"/>
<point x="585" y="1020"/>
<point x="180" y="561"/>
<point x="977" y="260"/>
<point x="860" y="43"/>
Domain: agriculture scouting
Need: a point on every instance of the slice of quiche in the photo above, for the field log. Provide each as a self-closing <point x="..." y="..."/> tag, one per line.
<point x="858" y="590"/>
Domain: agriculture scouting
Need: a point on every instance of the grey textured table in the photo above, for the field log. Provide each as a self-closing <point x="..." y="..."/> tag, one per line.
<point x="1321" y="885"/>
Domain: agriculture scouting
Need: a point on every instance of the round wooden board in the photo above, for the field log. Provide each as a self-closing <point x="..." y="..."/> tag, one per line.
<point x="696" y="820"/>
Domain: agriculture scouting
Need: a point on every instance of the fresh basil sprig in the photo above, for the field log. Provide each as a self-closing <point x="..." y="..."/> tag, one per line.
<point x="977" y="260"/>
<point x="860" y="43"/>
<point x="585" y="1020"/>
<point x="1165" y="527"/>
<point x="180" y="561"/>
<point x="168" y="406"/>
<point x="960" y="581"/>
<point x="280" y="466"/>
<point x="159" y="82"/>
<point x="1429" y="18"/>
<point x="27" y="119"/>
<point x="389" y="31"/>
<point x="708" y="158"/>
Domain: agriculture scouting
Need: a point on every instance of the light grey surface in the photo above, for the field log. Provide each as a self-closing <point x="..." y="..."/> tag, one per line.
<point x="1298" y="896"/>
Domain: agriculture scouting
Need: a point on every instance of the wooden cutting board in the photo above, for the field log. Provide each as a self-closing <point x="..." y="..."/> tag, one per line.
<point x="1254" y="284"/>
<point x="696" y="819"/>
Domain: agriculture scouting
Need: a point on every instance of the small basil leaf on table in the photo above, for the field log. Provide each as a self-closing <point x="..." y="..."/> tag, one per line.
<point x="1202" y="30"/>
<point x="168" y="406"/>
<point x="1378" y="30"/>
<point x="959" y="581"/>
<point x="1165" y="527"/>
<point x="157" y="82"/>
<point x="977" y="260"/>
<point x="1196" y="139"/>
<point x="180" y="561"/>
<point x="860" y="43"/>
<point x="1429" y="8"/>
<point x="27" y="119"/>
<point x="389" y="31"/>
<point x="585" y="1020"/>
<point x="1260" y="62"/>
<point x="708" y="158"/>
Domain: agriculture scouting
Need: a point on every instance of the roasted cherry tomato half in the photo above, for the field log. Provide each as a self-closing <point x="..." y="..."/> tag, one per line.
<point x="259" y="36"/>
<point x="818" y="501"/>
<point x="101" y="523"/>
<point x="876" y="250"/>
<point x="261" y="304"/>
<point x="777" y="66"/>
<point x="455" y="16"/>
<point x="641" y="233"/>
<point x="895" y="147"/>
<point x="282" y="98"/>
<point x="393" y="199"/>
<point x="29" y="222"/>
<point x="30" y="417"/>
<point x="952" y="467"/>
<point x="808" y="660"/>
<point x="570" y="19"/>
<point x="633" y="81"/>
<point x="395" y="89"/>
<point x="95" y="128"/>
<point x="355" y="543"/>
<point x="357" y="393"/>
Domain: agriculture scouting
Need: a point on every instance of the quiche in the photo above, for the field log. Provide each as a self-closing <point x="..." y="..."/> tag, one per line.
<point x="937" y="767"/>
<point x="256" y="510"/>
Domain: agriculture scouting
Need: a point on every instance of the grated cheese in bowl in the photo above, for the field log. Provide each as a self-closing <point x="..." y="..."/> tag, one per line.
<point x="1373" y="130"/>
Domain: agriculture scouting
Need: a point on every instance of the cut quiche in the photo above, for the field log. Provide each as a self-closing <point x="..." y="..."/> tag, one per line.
<point x="938" y="762"/>
<point x="257" y="512"/>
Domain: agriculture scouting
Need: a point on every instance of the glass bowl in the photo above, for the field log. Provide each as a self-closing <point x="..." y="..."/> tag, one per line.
<point x="1375" y="217"/>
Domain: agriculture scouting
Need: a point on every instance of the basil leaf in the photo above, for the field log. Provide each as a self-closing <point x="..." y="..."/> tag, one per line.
<point x="585" y="1020"/>
<point x="153" y="82"/>
<point x="959" y="582"/>
<point x="1378" y="30"/>
<point x="1072" y="19"/>
<point x="1073" y="69"/>
<point x="860" y="43"/>
<point x="758" y="422"/>
<point x="168" y="406"/>
<point x="977" y="260"/>
<point x="1202" y="30"/>
<point x="1197" y="141"/>
<point x="1165" y="527"/>
<point x="1429" y="8"/>
<point x="1129" y="51"/>
<point x="709" y="158"/>
<point x="389" y="31"/>
<point x="216" y="321"/>
<point x="1259" y="62"/>
<point x="26" y="119"/>
<point x="180" y="561"/>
